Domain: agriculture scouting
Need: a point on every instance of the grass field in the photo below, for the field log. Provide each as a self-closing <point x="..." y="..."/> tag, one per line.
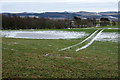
<point x="39" y="58"/>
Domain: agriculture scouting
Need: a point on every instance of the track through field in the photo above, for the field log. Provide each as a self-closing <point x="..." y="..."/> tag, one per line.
<point x="93" y="36"/>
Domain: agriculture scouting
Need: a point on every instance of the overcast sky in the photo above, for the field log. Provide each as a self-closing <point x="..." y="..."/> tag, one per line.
<point x="58" y="5"/>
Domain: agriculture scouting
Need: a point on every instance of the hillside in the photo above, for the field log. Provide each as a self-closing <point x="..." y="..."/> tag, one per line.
<point x="67" y="15"/>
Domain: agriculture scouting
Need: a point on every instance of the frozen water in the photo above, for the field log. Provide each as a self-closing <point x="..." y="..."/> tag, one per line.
<point x="104" y="36"/>
<point x="108" y="36"/>
<point x="44" y="34"/>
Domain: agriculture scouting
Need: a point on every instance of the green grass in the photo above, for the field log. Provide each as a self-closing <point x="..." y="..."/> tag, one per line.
<point x="112" y="30"/>
<point x="25" y="58"/>
<point x="87" y="30"/>
<point x="109" y="26"/>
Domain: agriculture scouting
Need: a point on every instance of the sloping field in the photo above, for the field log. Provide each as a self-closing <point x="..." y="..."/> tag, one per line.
<point x="41" y="58"/>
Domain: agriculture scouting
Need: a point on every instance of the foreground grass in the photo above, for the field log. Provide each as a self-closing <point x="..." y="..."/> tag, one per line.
<point x="29" y="58"/>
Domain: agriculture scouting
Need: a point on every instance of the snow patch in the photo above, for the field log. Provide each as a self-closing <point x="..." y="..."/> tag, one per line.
<point x="89" y="42"/>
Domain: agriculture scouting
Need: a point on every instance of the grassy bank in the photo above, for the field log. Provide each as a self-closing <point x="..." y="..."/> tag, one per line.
<point x="30" y="58"/>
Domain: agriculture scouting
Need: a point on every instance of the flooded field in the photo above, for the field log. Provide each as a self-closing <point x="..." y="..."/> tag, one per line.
<point x="108" y="36"/>
<point x="85" y="53"/>
<point x="44" y="34"/>
<point x="104" y="36"/>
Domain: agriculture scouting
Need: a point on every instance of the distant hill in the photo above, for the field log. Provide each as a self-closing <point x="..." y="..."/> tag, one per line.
<point x="67" y="15"/>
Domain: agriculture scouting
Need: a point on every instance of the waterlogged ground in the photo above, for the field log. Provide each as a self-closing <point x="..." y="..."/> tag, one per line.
<point x="41" y="58"/>
<point x="108" y="36"/>
<point x="44" y="34"/>
<point x="105" y="36"/>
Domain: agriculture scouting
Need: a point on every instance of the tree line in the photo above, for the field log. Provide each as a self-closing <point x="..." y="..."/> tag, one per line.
<point x="10" y="22"/>
<point x="16" y="22"/>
